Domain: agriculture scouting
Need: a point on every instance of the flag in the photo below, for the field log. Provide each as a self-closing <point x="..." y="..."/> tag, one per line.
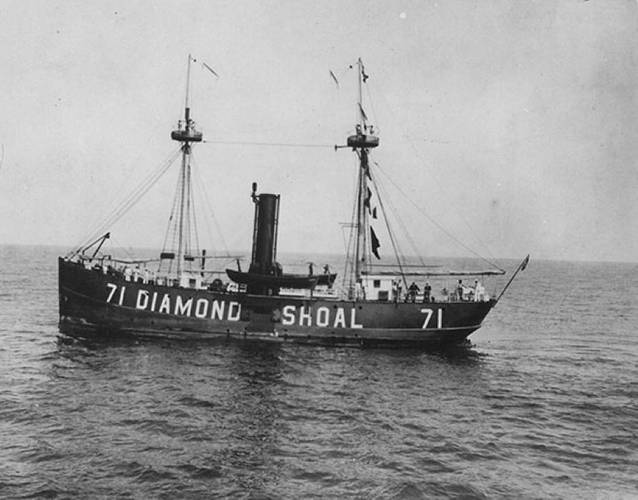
<point x="364" y="77"/>
<point x="366" y="166"/>
<point x="366" y="202"/>
<point x="374" y="241"/>
<point x="210" y="69"/>
<point x="367" y="171"/>
<point x="334" y="78"/>
<point x="363" y="113"/>
<point x="524" y="263"/>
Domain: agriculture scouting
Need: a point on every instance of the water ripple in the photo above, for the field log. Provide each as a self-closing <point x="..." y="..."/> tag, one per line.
<point x="541" y="404"/>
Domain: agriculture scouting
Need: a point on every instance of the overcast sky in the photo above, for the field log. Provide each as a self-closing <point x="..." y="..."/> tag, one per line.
<point x="513" y="125"/>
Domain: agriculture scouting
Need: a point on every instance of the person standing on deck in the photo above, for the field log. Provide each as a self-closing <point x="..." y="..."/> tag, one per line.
<point x="427" y="290"/>
<point x="479" y="291"/>
<point x="412" y="291"/>
<point x="459" y="290"/>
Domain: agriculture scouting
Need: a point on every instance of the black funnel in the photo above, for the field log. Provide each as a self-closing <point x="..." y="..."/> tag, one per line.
<point x="265" y="233"/>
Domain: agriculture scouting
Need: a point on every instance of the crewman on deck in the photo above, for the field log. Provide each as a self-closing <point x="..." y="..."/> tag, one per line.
<point x="413" y="289"/>
<point x="279" y="270"/>
<point x="460" y="289"/>
<point x="479" y="291"/>
<point x="427" y="290"/>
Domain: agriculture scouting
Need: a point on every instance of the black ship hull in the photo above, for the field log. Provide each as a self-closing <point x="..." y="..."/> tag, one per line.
<point x="95" y="303"/>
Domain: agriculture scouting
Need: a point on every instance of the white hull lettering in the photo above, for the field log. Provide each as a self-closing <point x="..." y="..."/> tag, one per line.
<point x="217" y="311"/>
<point x="234" y="311"/>
<point x="111" y="293"/>
<point x="340" y="319"/>
<point x="323" y="316"/>
<point x="305" y="316"/>
<point x="183" y="308"/>
<point x="165" y="306"/>
<point x="428" y="315"/>
<point x="288" y="316"/>
<point x="353" y="319"/>
<point x="112" y="288"/>
<point x="142" y="299"/>
<point x="201" y="308"/>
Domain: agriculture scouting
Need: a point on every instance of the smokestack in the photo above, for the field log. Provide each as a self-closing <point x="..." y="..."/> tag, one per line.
<point x="264" y="251"/>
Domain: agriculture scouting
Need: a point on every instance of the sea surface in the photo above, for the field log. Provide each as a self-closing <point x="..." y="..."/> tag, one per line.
<point x="542" y="404"/>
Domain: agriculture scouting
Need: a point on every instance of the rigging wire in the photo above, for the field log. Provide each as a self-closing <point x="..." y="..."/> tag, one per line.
<point x="200" y="183"/>
<point x="433" y="221"/>
<point x="382" y="195"/>
<point x="426" y="165"/>
<point x="127" y="251"/>
<point x="140" y="190"/>
<point x="194" y="216"/>
<point x="129" y="201"/>
<point x="457" y="211"/>
<point x="96" y="222"/>
<point x="349" y="274"/>
<point x="389" y="229"/>
<point x="169" y="226"/>
<point x="276" y="144"/>
<point x="374" y="113"/>
<point x="203" y="195"/>
<point x="376" y="185"/>
<point x="189" y="215"/>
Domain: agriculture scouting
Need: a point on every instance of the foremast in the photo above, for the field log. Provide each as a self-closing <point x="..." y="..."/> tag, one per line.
<point x="181" y="223"/>
<point x="361" y="143"/>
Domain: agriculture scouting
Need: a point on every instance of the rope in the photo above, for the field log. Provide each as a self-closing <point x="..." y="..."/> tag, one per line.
<point x="130" y="200"/>
<point x="200" y="183"/>
<point x="427" y="166"/>
<point x="395" y="212"/>
<point x="349" y="274"/>
<point x="195" y="230"/>
<point x="387" y="225"/>
<point x="276" y="144"/>
<point x="168" y="229"/>
<point x="433" y="221"/>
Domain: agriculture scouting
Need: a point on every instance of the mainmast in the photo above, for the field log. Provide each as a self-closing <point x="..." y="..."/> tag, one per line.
<point x="363" y="140"/>
<point x="186" y="134"/>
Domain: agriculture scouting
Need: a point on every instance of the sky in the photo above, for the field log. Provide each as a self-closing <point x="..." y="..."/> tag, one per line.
<point x="511" y="126"/>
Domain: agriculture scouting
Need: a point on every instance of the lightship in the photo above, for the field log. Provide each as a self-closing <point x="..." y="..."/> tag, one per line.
<point x="177" y="296"/>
